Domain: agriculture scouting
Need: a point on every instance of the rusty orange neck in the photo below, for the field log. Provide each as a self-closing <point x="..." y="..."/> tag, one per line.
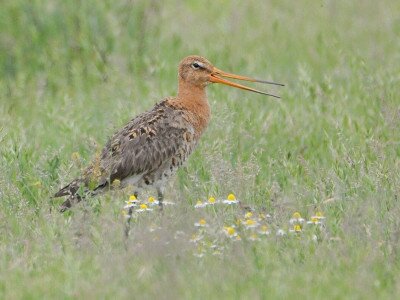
<point x="193" y="99"/>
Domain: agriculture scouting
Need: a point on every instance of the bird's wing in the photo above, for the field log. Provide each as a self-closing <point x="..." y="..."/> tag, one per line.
<point x="139" y="148"/>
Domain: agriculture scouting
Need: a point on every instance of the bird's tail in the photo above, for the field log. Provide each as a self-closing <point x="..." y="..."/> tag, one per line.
<point x="72" y="191"/>
<point x="76" y="191"/>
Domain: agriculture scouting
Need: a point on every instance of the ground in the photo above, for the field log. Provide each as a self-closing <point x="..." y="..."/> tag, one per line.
<point x="72" y="72"/>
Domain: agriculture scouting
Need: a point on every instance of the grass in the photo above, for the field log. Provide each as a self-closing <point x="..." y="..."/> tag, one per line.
<point x="72" y="72"/>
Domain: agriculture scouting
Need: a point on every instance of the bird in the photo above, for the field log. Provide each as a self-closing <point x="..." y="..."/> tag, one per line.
<point x="151" y="147"/>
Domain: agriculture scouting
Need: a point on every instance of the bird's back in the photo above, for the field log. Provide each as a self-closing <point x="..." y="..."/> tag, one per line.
<point x="144" y="152"/>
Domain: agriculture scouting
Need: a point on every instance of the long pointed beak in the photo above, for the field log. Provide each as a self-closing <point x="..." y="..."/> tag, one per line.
<point x="216" y="77"/>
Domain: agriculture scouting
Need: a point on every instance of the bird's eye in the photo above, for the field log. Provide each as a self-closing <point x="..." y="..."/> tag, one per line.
<point x="196" y="66"/>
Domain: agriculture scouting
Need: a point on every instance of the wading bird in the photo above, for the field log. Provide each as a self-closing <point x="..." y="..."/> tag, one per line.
<point x="152" y="146"/>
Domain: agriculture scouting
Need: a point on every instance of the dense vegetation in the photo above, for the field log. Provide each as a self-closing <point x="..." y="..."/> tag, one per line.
<point x="72" y="72"/>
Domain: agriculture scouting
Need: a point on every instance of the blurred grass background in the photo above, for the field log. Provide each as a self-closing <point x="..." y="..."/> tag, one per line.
<point x="72" y="72"/>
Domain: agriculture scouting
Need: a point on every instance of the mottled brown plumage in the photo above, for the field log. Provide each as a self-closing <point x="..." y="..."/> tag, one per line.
<point x="152" y="146"/>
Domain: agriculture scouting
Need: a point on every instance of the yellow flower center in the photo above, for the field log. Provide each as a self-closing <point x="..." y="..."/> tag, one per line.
<point x="231" y="197"/>
<point x="248" y="215"/>
<point x="132" y="198"/>
<point x="297" y="228"/>
<point x="202" y="222"/>
<point x="264" y="228"/>
<point x="230" y="230"/>
<point x="151" y="200"/>
<point x="143" y="206"/>
<point x="296" y="215"/>
<point x="211" y="200"/>
<point x="319" y="214"/>
<point x="199" y="202"/>
<point x="250" y="222"/>
<point x="314" y="219"/>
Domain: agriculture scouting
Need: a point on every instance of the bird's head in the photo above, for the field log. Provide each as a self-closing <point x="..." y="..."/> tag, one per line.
<point x="198" y="71"/>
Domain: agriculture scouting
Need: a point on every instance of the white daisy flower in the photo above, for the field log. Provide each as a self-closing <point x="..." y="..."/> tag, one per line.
<point x="318" y="219"/>
<point x="211" y="201"/>
<point x="230" y="200"/>
<point x="230" y="231"/>
<point x="280" y="232"/>
<point x="196" y="238"/>
<point x="200" y="204"/>
<point x="143" y="207"/>
<point x="296" y="229"/>
<point x="152" y="201"/>
<point x="201" y="223"/>
<point x="250" y="223"/>
<point x="253" y="237"/>
<point x="132" y="202"/>
<point x="296" y="219"/>
<point x="263" y="230"/>
<point x="168" y="203"/>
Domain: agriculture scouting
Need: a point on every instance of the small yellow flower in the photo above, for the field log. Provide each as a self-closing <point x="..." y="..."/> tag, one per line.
<point x="296" y="215"/>
<point x="200" y="204"/>
<point x="296" y="228"/>
<point x="132" y="202"/>
<point x="211" y="200"/>
<point x="230" y="200"/>
<point x="250" y="223"/>
<point x="296" y="218"/>
<point x="230" y="231"/>
<point x="248" y="215"/>
<point x="262" y="217"/>
<point x="196" y="237"/>
<point x="152" y="201"/>
<point x="263" y="230"/>
<point x="201" y="223"/>
<point x="143" y="207"/>
<point x="254" y="237"/>
<point x="317" y="219"/>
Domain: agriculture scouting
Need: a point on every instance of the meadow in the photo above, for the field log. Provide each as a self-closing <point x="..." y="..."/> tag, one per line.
<point x="73" y="72"/>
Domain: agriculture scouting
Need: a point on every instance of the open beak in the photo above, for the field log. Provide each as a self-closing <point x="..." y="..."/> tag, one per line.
<point x="216" y="77"/>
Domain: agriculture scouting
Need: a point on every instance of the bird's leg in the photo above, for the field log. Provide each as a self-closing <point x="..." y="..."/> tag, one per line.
<point x="160" y="197"/>
<point x="128" y="221"/>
